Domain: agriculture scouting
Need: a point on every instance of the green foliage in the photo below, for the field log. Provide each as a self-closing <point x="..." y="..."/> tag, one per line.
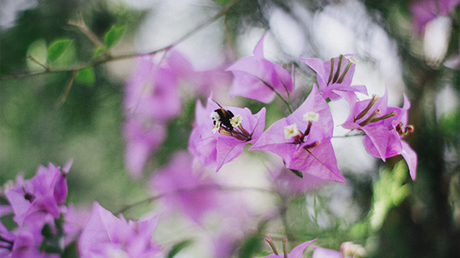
<point x="178" y="247"/>
<point x="86" y="76"/>
<point x="98" y="51"/>
<point x="389" y="191"/>
<point x="251" y="245"/>
<point x="297" y="173"/>
<point x="57" y="48"/>
<point x="53" y="242"/>
<point x="113" y="36"/>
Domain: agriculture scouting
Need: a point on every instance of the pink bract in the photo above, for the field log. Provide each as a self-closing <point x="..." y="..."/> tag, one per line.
<point x="257" y="78"/>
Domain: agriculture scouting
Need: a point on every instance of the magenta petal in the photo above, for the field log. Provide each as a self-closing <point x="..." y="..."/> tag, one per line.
<point x="213" y="149"/>
<point x="319" y="161"/>
<point x="411" y="159"/>
<point x="304" y="156"/>
<point x="228" y="148"/>
<point x="378" y="136"/>
<point x="258" y="78"/>
<point x="141" y="140"/>
<point x="248" y="86"/>
<point x="4" y="210"/>
<point x="101" y="228"/>
<point x="320" y="252"/>
<point x="184" y="187"/>
<point x="297" y="251"/>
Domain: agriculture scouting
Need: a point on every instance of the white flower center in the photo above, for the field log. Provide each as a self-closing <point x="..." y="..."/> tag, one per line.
<point x="236" y="120"/>
<point x="311" y="116"/>
<point x="291" y="131"/>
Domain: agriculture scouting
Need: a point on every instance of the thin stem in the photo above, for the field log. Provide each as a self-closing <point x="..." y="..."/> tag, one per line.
<point x="69" y="85"/>
<point x="198" y="188"/>
<point x="35" y="60"/>
<point x="350" y="135"/>
<point x="82" y="26"/>
<point x="278" y="94"/>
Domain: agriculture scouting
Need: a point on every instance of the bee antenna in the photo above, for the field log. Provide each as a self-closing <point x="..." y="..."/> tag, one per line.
<point x="217" y="103"/>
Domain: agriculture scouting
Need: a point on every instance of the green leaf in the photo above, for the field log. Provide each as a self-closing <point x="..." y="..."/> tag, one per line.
<point x="389" y="191"/>
<point x="86" y="76"/>
<point x="297" y="173"/>
<point x="251" y="245"/>
<point x="98" y="51"/>
<point x="57" y="48"/>
<point x="114" y="35"/>
<point x="178" y="247"/>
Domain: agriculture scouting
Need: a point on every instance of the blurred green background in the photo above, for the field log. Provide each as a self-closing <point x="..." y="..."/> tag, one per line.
<point x="35" y="129"/>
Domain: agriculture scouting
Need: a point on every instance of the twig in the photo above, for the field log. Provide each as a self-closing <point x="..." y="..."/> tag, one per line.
<point x="198" y="188"/>
<point x="110" y="58"/>
<point x="69" y="85"/>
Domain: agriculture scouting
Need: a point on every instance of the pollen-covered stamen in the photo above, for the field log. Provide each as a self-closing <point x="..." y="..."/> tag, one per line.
<point x="369" y="119"/>
<point x="336" y="76"/>
<point x="369" y="106"/>
<point x="404" y="131"/>
<point x="384" y="117"/>
<point x="350" y="62"/>
<point x="310" y="117"/>
<point x="332" y="72"/>
<point x="272" y="246"/>
<point x="285" y="254"/>
<point x="291" y="131"/>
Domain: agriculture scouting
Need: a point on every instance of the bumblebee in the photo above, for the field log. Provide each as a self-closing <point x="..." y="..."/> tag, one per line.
<point x="222" y="117"/>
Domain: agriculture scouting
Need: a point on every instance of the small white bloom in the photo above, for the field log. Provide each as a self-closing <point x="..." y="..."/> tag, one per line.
<point x="291" y="131"/>
<point x="311" y="116"/>
<point x="351" y="59"/>
<point x="216" y="127"/>
<point x="236" y="120"/>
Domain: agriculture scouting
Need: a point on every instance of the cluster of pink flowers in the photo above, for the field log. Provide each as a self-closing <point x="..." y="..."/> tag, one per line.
<point x="303" y="138"/>
<point x="46" y="225"/>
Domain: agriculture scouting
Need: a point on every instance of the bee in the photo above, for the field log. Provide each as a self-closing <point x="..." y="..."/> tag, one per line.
<point x="222" y="117"/>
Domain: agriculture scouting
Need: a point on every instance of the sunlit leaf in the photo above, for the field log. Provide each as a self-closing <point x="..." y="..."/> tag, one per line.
<point x="178" y="247"/>
<point x="86" y="76"/>
<point x="38" y="51"/>
<point x="389" y="191"/>
<point x="57" y="48"/>
<point x="114" y="35"/>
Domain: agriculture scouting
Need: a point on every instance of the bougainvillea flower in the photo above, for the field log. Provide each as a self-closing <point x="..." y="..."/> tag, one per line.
<point x="220" y="133"/>
<point x="44" y="192"/>
<point x="424" y="11"/>
<point x="303" y="139"/>
<point x="181" y="187"/>
<point x="398" y="128"/>
<point x="296" y="252"/>
<point x="320" y="252"/>
<point x="383" y="127"/>
<point x="347" y="249"/>
<point x="105" y="235"/>
<point x="334" y="75"/>
<point x="142" y="138"/>
<point x="289" y="183"/>
<point x="257" y="78"/>
<point x="151" y="92"/>
<point x="200" y="82"/>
